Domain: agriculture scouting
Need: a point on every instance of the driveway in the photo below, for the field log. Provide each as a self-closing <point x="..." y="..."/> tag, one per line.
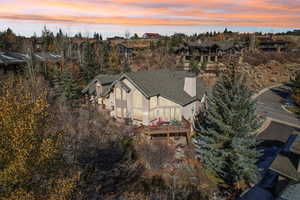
<point x="269" y="104"/>
<point x="277" y="132"/>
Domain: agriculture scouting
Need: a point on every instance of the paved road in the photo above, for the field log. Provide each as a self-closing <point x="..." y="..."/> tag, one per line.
<point x="269" y="104"/>
<point x="277" y="132"/>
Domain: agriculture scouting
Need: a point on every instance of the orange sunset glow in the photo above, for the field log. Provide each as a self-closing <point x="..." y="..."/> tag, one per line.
<point x="142" y="15"/>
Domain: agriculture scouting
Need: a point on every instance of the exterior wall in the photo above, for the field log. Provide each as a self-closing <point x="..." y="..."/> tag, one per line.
<point x="147" y="111"/>
<point x="133" y="108"/>
<point x="120" y="102"/>
<point x="189" y="110"/>
<point x="164" y="109"/>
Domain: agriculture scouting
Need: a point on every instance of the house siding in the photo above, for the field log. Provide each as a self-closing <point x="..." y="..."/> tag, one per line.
<point x="147" y="110"/>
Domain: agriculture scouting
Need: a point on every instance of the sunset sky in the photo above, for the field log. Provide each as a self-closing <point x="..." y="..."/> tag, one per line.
<point x="114" y="17"/>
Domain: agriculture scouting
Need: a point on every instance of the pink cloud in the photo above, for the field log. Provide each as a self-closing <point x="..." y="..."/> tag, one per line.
<point x="258" y="13"/>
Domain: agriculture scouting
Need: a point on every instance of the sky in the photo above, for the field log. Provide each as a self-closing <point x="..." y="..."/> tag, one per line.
<point x="115" y="17"/>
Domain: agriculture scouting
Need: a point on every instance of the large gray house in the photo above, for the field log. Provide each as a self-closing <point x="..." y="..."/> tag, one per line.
<point x="149" y="96"/>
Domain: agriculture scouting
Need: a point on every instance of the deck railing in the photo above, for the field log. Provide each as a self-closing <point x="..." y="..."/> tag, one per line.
<point x="166" y="129"/>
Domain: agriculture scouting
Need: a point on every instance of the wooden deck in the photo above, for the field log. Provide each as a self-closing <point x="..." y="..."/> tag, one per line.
<point x="169" y="132"/>
<point x="166" y="129"/>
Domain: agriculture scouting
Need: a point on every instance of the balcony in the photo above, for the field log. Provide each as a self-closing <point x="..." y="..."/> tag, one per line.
<point x="168" y="131"/>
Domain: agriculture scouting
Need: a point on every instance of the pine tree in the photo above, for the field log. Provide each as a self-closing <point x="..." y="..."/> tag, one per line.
<point x="89" y="68"/>
<point x="194" y="67"/>
<point x="223" y="142"/>
<point x="65" y="87"/>
<point x="126" y="67"/>
<point x="296" y="89"/>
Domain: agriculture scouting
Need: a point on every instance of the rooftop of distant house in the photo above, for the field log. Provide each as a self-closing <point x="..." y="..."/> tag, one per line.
<point x="16" y="58"/>
<point x="151" y="35"/>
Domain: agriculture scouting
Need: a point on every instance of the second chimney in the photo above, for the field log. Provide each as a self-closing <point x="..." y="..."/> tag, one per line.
<point x="190" y="85"/>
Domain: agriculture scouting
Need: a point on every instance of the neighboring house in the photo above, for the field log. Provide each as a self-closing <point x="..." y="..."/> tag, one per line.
<point x="99" y="85"/>
<point x="151" y="35"/>
<point x="149" y="97"/>
<point x="130" y="49"/>
<point x="124" y="51"/>
<point x="272" y="45"/>
<point x="206" y="53"/>
<point x="287" y="162"/>
<point x="280" y="170"/>
<point x="15" y="62"/>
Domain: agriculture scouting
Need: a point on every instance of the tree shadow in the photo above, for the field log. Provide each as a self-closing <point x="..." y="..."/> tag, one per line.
<point x="108" y="169"/>
<point x="281" y="92"/>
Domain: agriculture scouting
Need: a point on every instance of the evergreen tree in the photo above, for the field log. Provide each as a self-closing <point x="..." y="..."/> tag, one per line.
<point x="66" y="87"/>
<point x="126" y="67"/>
<point x="89" y="67"/>
<point x="194" y="67"/>
<point x="135" y="36"/>
<point x="223" y="142"/>
<point x="48" y="40"/>
<point x="96" y="36"/>
<point x="226" y="30"/>
<point x="296" y="89"/>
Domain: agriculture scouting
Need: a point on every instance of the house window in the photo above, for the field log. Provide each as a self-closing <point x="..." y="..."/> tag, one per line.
<point x="118" y="93"/>
<point x="172" y="113"/>
<point x="177" y="114"/>
<point x="158" y="114"/>
<point x="124" y="95"/>
<point x="153" y="102"/>
<point x="152" y="115"/>
<point x="119" y="112"/>
<point x="167" y="114"/>
<point x="137" y="99"/>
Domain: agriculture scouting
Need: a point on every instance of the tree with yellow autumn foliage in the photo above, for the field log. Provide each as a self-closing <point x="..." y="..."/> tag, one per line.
<point x="30" y="155"/>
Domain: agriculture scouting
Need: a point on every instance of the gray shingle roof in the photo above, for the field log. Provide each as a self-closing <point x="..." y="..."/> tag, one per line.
<point x="224" y="45"/>
<point x="166" y="83"/>
<point x="103" y="79"/>
<point x="286" y="166"/>
<point x="8" y="58"/>
<point x="15" y="58"/>
<point x="291" y="192"/>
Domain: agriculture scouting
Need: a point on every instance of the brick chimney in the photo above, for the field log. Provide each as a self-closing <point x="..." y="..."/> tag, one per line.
<point x="190" y="85"/>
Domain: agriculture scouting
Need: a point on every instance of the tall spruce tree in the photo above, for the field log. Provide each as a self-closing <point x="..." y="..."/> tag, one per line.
<point x="89" y="68"/>
<point x="224" y="143"/>
<point x="65" y="87"/>
<point x="296" y="89"/>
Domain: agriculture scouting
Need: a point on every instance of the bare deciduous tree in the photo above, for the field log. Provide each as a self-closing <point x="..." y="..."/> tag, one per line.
<point x="156" y="154"/>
